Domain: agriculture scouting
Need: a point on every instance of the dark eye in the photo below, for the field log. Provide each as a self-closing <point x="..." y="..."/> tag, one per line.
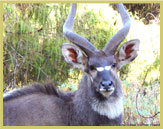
<point x="91" y="67"/>
<point x="114" y="65"/>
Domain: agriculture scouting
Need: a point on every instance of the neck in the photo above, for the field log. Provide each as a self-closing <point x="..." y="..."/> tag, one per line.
<point x="89" y="98"/>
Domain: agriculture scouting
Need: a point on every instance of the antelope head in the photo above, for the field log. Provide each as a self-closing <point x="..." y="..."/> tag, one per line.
<point x="100" y="65"/>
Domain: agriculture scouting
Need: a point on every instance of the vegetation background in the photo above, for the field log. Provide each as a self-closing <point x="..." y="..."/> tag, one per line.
<point x="33" y="37"/>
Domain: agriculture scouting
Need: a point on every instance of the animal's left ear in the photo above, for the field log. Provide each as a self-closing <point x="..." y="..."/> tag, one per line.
<point x="127" y="52"/>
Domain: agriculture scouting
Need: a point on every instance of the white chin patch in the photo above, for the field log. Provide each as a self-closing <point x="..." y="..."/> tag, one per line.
<point x="111" y="110"/>
<point x="107" y="93"/>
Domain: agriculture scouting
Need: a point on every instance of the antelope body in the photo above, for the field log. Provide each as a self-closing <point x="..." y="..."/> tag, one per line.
<point x="99" y="98"/>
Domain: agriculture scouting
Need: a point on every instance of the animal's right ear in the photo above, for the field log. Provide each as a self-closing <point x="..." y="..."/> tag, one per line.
<point x="74" y="56"/>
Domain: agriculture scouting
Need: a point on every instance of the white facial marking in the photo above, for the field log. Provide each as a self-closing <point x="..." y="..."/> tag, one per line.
<point x="107" y="68"/>
<point x="109" y="109"/>
<point x="100" y="69"/>
<point x="109" y="90"/>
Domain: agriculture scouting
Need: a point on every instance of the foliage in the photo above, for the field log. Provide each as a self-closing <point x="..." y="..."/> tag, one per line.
<point x="36" y="29"/>
<point x="33" y="37"/>
<point x="146" y="12"/>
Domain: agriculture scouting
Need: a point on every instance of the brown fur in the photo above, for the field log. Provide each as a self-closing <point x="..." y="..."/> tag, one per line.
<point x="73" y="55"/>
<point x="129" y="50"/>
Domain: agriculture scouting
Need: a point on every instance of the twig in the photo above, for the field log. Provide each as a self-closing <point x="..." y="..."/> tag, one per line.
<point x="152" y="116"/>
<point x="157" y="21"/>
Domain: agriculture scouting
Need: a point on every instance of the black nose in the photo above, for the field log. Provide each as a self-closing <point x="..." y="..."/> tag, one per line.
<point x="107" y="84"/>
